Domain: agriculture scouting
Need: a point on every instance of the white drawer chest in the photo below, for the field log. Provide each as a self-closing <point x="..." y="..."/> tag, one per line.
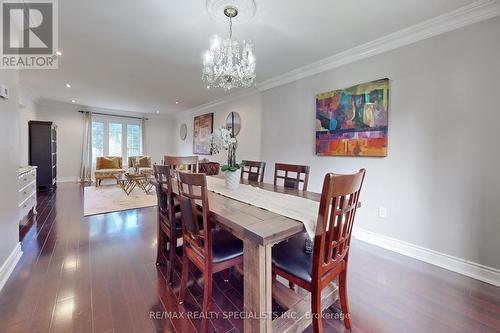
<point x="27" y="191"/>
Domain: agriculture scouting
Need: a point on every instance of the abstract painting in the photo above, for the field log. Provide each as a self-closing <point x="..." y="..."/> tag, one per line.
<point x="203" y="128"/>
<point x="353" y="121"/>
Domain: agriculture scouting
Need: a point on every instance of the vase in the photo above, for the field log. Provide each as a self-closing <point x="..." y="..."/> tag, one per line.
<point x="232" y="179"/>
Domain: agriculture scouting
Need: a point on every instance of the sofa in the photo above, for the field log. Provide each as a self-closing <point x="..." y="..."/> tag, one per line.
<point x="108" y="167"/>
<point x="143" y="163"/>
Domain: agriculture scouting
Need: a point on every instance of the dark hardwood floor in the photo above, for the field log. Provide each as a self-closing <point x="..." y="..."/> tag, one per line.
<point x="98" y="274"/>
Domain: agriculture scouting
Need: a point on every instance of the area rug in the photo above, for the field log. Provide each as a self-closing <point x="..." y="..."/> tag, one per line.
<point x="111" y="198"/>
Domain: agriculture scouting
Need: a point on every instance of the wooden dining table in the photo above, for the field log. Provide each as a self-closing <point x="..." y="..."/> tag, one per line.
<point x="260" y="229"/>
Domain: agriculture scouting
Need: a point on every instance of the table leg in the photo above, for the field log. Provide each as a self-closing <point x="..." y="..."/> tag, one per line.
<point x="145" y="185"/>
<point x="257" y="299"/>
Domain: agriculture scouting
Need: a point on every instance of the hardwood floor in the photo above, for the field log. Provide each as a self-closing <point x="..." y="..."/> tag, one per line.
<point x="98" y="274"/>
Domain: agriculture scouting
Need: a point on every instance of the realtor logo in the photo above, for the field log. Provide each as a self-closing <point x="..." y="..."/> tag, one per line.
<point x="29" y="34"/>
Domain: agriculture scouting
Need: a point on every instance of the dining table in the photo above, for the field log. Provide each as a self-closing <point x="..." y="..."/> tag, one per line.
<point x="260" y="229"/>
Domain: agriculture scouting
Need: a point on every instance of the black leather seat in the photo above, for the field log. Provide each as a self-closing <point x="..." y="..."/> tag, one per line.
<point x="178" y="222"/>
<point x="290" y="257"/>
<point x="225" y="246"/>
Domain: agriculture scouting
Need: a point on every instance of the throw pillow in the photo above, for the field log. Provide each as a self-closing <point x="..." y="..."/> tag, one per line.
<point x="110" y="163"/>
<point x="144" y="162"/>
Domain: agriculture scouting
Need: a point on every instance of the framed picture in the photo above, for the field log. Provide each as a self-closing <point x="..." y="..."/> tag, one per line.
<point x="353" y="121"/>
<point x="203" y="128"/>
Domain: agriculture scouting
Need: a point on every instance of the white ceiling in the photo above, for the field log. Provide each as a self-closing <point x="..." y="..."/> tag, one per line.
<point x="142" y="56"/>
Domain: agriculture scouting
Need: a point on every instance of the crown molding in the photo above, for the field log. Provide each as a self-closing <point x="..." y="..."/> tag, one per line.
<point x="475" y="12"/>
<point x="461" y="17"/>
<point x="223" y="100"/>
<point x="117" y="112"/>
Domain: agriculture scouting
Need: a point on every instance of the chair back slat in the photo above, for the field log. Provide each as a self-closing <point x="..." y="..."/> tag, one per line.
<point x="196" y="227"/>
<point x="292" y="175"/>
<point x="163" y="184"/>
<point x="338" y="205"/>
<point x="254" y="171"/>
<point x="190" y="163"/>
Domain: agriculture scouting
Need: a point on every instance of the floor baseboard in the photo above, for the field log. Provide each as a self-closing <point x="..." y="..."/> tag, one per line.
<point x="68" y="180"/>
<point x="9" y="264"/>
<point x="471" y="269"/>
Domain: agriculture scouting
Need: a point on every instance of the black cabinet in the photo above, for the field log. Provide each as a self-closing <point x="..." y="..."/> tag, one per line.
<point x="43" y="152"/>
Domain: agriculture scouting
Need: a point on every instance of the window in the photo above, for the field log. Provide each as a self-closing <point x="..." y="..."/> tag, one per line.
<point x="133" y="140"/>
<point x="97" y="140"/>
<point x="114" y="136"/>
<point x="115" y="139"/>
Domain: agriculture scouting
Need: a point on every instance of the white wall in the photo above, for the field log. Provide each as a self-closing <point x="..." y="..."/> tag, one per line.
<point x="440" y="182"/>
<point x="159" y="138"/>
<point x="70" y="136"/>
<point x="27" y="112"/>
<point x="9" y="150"/>
<point x="249" y="138"/>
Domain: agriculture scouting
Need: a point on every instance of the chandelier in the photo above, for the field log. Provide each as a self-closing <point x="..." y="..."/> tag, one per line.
<point x="224" y="65"/>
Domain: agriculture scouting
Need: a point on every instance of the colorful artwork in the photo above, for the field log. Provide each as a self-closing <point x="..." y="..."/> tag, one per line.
<point x="203" y="127"/>
<point x="353" y="121"/>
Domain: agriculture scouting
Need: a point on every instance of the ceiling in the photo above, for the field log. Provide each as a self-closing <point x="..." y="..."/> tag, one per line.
<point x="143" y="56"/>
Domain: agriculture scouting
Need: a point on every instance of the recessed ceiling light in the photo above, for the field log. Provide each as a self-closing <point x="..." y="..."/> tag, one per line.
<point x="58" y="53"/>
<point x="157" y="111"/>
<point x="68" y="85"/>
<point x="208" y="87"/>
<point x="176" y="102"/>
<point x="73" y="101"/>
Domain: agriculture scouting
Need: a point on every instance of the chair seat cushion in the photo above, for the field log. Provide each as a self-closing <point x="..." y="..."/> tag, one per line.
<point x="178" y="222"/>
<point x="149" y="171"/>
<point x="108" y="171"/>
<point x="225" y="246"/>
<point x="290" y="257"/>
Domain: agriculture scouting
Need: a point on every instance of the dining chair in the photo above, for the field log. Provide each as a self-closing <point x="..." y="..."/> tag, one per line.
<point x="209" y="248"/>
<point x="254" y="170"/>
<point x="169" y="219"/>
<point x="329" y="259"/>
<point x="189" y="163"/>
<point x="284" y="171"/>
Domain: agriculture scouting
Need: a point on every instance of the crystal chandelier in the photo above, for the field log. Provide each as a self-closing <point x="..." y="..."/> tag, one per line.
<point x="224" y="65"/>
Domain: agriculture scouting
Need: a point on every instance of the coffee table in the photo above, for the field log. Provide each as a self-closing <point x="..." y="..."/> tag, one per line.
<point x="128" y="181"/>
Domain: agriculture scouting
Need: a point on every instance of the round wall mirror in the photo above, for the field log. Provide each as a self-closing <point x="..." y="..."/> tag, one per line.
<point x="233" y="123"/>
<point x="183" y="132"/>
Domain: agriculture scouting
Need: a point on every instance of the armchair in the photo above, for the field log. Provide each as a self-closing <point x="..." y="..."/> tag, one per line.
<point x="107" y="167"/>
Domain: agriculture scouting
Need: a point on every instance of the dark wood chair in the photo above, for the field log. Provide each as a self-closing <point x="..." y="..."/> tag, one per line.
<point x="209" y="168"/>
<point x="190" y="163"/>
<point x="282" y="171"/>
<point x="169" y="219"/>
<point x="254" y="170"/>
<point x="313" y="272"/>
<point x="210" y="249"/>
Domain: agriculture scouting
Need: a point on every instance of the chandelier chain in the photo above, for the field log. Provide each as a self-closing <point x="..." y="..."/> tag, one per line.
<point x="230" y="27"/>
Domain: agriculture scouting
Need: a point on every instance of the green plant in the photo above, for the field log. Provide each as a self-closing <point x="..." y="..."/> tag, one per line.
<point x="232" y="168"/>
<point x="222" y="139"/>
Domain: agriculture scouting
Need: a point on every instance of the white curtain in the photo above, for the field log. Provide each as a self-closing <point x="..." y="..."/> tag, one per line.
<point x="86" y="166"/>
<point x="143" y="135"/>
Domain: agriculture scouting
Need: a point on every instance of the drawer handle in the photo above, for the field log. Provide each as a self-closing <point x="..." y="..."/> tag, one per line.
<point x="24" y="192"/>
